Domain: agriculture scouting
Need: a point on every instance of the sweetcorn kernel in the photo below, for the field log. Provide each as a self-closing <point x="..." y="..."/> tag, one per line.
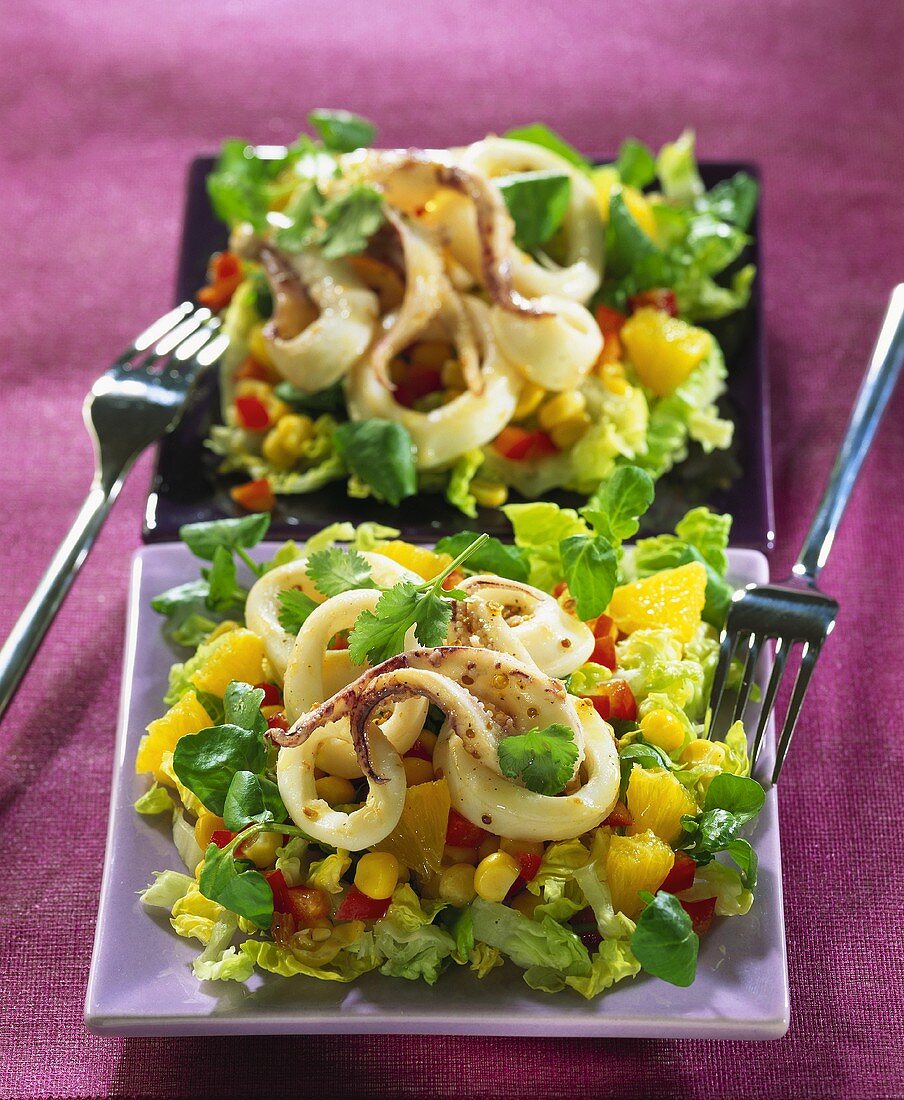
<point x="704" y="752"/>
<point x="661" y="728"/>
<point x="612" y="375"/>
<point x="206" y="825"/>
<point x="258" y="346"/>
<point x="456" y="884"/>
<point x="377" y="875"/>
<point x="489" y="494"/>
<point x="417" y="770"/>
<point x="335" y="790"/>
<point x="495" y="876"/>
<point x="529" y="401"/>
<point x="563" y="407"/>
<point x="262" y="849"/>
<point x="568" y="432"/>
<point x="452" y="374"/>
<point x="526" y="902"/>
<point x="432" y="353"/>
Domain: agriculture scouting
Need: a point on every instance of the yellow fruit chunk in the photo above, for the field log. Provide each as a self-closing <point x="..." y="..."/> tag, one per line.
<point x="426" y="563"/>
<point x="240" y="656"/>
<point x="187" y="716"/>
<point x="636" y="863"/>
<point x="663" y="349"/>
<point x="673" y="598"/>
<point x="420" y="836"/>
<point x="657" y="802"/>
<point x="606" y="182"/>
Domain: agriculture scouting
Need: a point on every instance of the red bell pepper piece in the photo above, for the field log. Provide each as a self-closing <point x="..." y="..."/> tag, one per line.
<point x="278" y="721"/>
<point x="358" y="906"/>
<point x="522" y="445"/>
<point x="604" y="653"/>
<point x="700" y="912"/>
<point x="420" y="750"/>
<point x="280" y="896"/>
<point x="659" y="297"/>
<point x="339" y="641"/>
<point x="615" y="700"/>
<point x="620" y="817"/>
<point x="453" y="580"/>
<point x="251" y="368"/>
<point x="221" y="837"/>
<point x="529" y="862"/>
<point x="272" y="695"/>
<point x="225" y="275"/>
<point x="254" y="496"/>
<point x="416" y="383"/>
<point x="252" y="413"/>
<point x="681" y="876"/>
<point x="461" y="833"/>
<point x="609" y="319"/>
<point x="307" y="904"/>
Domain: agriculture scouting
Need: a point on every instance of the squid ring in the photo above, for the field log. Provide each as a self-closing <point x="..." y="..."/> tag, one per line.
<point x="555" y="351"/>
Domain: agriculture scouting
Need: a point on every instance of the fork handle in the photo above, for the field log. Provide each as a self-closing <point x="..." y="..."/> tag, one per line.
<point x="875" y="391"/>
<point x="26" y="635"/>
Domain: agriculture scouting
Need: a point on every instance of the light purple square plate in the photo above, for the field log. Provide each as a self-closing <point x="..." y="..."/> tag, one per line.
<point x="141" y="981"/>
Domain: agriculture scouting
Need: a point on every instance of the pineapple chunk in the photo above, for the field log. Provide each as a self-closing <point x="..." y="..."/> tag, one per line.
<point x="240" y="656"/>
<point x="673" y="599"/>
<point x="636" y="863"/>
<point x="420" y="836"/>
<point x="663" y="349"/>
<point x="657" y="802"/>
<point x="187" y="716"/>
<point x="426" y="563"/>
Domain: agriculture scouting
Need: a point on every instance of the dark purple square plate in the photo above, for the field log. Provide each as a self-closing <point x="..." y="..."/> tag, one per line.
<point x="186" y="487"/>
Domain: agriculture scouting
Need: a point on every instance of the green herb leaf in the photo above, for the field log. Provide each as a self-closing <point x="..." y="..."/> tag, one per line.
<point x="636" y="164"/>
<point x="544" y="759"/>
<point x="213" y="704"/>
<point x="351" y="220"/>
<point x="294" y="608"/>
<point x="242" y="707"/>
<point x="193" y="630"/>
<point x="341" y="131"/>
<point x="537" y="202"/>
<point x="305" y="204"/>
<point x="335" y="571"/>
<point x="639" y="754"/>
<point x="173" y="599"/>
<point x="739" y="795"/>
<point x="733" y="200"/>
<point x="236" y="885"/>
<point x="664" y="941"/>
<point x="204" y="538"/>
<point x="539" y="134"/>
<point x="206" y="761"/>
<point x="492" y="557"/>
<point x="590" y="566"/>
<point x="742" y="852"/>
<point x="236" y="185"/>
<point x="627" y="246"/>
<point x="381" y="454"/>
<point x="615" y="508"/>
<point x="252" y="798"/>
<point x="221" y="577"/>
<point x="330" y="400"/>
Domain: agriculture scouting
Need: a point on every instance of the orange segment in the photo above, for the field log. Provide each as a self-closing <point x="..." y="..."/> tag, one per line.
<point x="240" y="656"/>
<point x="673" y="598"/>
<point x="657" y="801"/>
<point x="187" y="716"/>
<point x="426" y="563"/>
<point x="420" y="836"/>
<point x="636" y="863"/>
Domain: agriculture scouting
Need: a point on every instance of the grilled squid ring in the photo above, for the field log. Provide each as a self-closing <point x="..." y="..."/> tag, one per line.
<point x="262" y="608"/>
<point x="323" y="351"/>
<point x="468" y="421"/>
<point x="555" y="351"/>
<point x="507" y="809"/>
<point x="556" y="642"/>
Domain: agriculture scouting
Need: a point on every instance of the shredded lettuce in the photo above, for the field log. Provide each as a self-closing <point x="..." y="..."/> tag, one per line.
<point x="155" y="800"/>
<point x="167" y="888"/>
<point x="539" y="528"/>
<point x="530" y="943"/>
<point x="716" y="880"/>
<point x="458" y="491"/>
<point x="676" y="167"/>
<point x="612" y="962"/>
<point x="327" y="873"/>
<point x="329" y="963"/>
<point x="289" y="860"/>
<point x="413" y="946"/>
<point x="219" y="961"/>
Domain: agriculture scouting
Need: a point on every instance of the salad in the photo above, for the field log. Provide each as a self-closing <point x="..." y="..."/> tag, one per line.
<point x="384" y="757"/>
<point x="472" y="321"/>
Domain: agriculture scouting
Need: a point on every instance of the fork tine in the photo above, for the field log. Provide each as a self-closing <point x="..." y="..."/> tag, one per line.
<point x="190" y="347"/>
<point x="754" y="645"/>
<point x="726" y="648"/>
<point x="778" y="667"/>
<point x="811" y="652"/>
<point x="175" y="336"/>
<point x="157" y="330"/>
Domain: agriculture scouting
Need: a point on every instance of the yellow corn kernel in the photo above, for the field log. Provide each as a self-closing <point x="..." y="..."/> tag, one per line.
<point x="495" y="876"/>
<point x="568" y="432"/>
<point x="431" y="353"/>
<point x="456" y="884"/>
<point x="206" y="825"/>
<point x="268" y="712"/>
<point x="661" y="728"/>
<point x="258" y="346"/>
<point x="262" y="849"/>
<point x="417" y="770"/>
<point x="377" y="875"/>
<point x="452" y="375"/>
<point x="564" y="406"/>
<point x="513" y="847"/>
<point x="704" y="752"/>
<point x="612" y="375"/>
<point x="336" y="791"/>
<point x="488" y="846"/>
<point x="526" y="902"/>
<point x="452" y="853"/>
<point x="428" y="740"/>
<point x="489" y="494"/>
<point x="529" y="401"/>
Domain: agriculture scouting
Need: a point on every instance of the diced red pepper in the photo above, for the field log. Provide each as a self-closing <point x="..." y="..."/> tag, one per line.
<point x="254" y="496"/>
<point x="278" y="721"/>
<point x="522" y="444"/>
<point x="609" y="319"/>
<point x="584" y="926"/>
<point x="681" y="876"/>
<point x="604" y="627"/>
<point x="659" y="297"/>
<point x="612" y="349"/>
<point x="461" y="833"/>
<point x="420" y="751"/>
<point x="416" y="383"/>
<point x="225" y="275"/>
<point x="221" y="837"/>
<point x="251" y="368"/>
<point x="615" y="700"/>
<point x="307" y="904"/>
<point x="272" y="695"/>
<point x="701" y="913"/>
<point x="604" y="653"/>
<point x="339" y="641"/>
<point x="252" y="413"/>
<point x="620" y="817"/>
<point x="529" y="862"/>
<point x="358" y="906"/>
<point x="278" y="886"/>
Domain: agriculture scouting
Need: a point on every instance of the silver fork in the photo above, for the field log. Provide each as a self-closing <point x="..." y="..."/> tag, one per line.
<point x="138" y="400"/>
<point x="794" y="611"/>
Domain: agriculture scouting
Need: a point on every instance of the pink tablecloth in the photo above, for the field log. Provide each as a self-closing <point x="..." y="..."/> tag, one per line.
<point x="102" y="107"/>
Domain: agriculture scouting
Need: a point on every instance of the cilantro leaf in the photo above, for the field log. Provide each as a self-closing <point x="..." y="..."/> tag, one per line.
<point x="590" y="567"/>
<point x="380" y="453"/>
<point x="351" y="220"/>
<point x="537" y="202"/>
<point x="492" y="557"/>
<point x="342" y="131"/>
<point x="204" y="538"/>
<point x="305" y="204"/>
<point x="294" y="608"/>
<point x="543" y="758"/>
<point x="335" y="571"/>
<point x="664" y="941"/>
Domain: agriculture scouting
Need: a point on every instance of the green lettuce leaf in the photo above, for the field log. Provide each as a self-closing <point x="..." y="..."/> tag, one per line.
<point x="413" y="946"/>
<point x="539" y="528"/>
<point x="458" y="491"/>
<point x="676" y="167"/>
<point x="155" y="800"/>
<point x="167" y="888"/>
<point x="529" y="943"/>
<point x="347" y="965"/>
<point x="327" y="873"/>
<point x="613" y="961"/>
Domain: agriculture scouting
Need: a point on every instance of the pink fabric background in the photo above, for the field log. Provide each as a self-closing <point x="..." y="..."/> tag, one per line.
<point x="102" y="107"/>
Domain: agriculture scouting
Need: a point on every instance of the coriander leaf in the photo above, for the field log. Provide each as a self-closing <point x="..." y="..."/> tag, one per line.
<point x="380" y="453"/>
<point x="536" y="133"/>
<point x="204" y="538"/>
<point x="543" y="758"/>
<point x="537" y="202"/>
<point x="341" y="131"/>
<point x="306" y="203"/>
<point x="636" y="164"/>
<point x="351" y="220"/>
<point x="252" y="798"/>
<point x="590" y="567"/>
<point x="335" y="571"/>
<point x="205" y="762"/>
<point x="742" y="852"/>
<point x="236" y="886"/>
<point x="236" y="186"/>
<point x="664" y="941"/>
<point x="615" y="508"/>
<point x="294" y="608"/>
<point x="242" y="707"/>
<point x="740" y="796"/>
<point x="221" y="577"/>
<point x="492" y="557"/>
